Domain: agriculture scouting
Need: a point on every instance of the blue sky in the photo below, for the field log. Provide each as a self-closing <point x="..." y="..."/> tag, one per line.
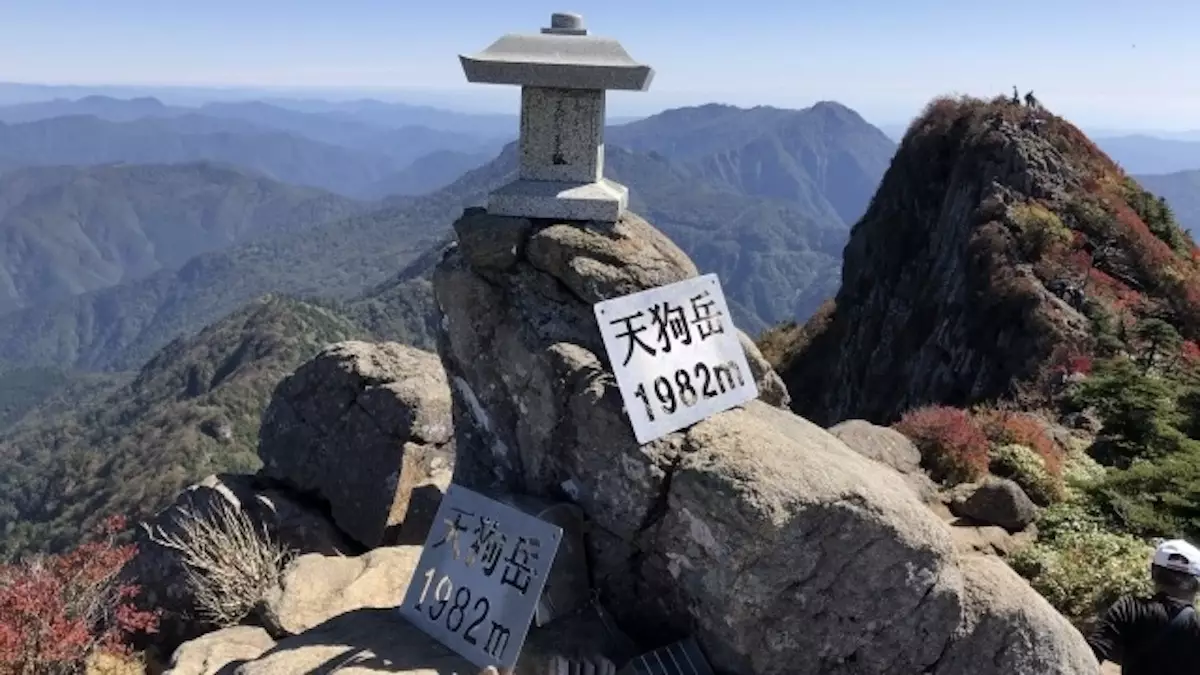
<point x="1099" y="62"/>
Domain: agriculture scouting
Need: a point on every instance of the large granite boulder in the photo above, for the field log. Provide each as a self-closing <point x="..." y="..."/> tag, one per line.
<point x="779" y="547"/>
<point x="316" y="588"/>
<point x="289" y="519"/>
<point x="366" y="428"/>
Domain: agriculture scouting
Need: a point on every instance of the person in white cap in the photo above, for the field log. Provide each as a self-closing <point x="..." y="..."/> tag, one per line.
<point x="1158" y="635"/>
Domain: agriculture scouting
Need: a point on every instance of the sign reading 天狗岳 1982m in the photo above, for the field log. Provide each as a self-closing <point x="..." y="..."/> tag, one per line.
<point x="676" y="355"/>
<point x="480" y="575"/>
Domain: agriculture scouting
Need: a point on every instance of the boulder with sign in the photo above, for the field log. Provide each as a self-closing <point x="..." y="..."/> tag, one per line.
<point x="762" y="533"/>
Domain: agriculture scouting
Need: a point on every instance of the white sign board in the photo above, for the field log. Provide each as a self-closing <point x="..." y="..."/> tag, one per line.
<point x="480" y="576"/>
<point x="676" y="355"/>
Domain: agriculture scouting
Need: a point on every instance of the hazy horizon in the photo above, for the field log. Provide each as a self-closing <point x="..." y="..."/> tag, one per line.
<point x="883" y="60"/>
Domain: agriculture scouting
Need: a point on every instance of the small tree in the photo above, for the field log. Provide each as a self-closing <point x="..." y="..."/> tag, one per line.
<point x="1158" y="339"/>
<point x="58" y="611"/>
<point x="1139" y="412"/>
<point x="231" y="563"/>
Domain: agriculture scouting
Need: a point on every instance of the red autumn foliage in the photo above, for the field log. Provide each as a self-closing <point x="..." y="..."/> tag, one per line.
<point x="1189" y="351"/>
<point x="1079" y="261"/>
<point x="1004" y="427"/>
<point x="57" y="611"/>
<point x="1152" y="253"/>
<point x="1122" y="297"/>
<point x="1081" y="364"/>
<point x="952" y="445"/>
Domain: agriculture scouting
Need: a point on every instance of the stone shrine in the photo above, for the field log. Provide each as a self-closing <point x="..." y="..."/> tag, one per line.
<point x="564" y="74"/>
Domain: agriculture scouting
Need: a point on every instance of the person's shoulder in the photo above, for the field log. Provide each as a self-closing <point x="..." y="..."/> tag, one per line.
<point x="1131" y="605"/>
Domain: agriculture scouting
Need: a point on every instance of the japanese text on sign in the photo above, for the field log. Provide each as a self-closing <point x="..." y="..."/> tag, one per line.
<point x="676" y="355"/>
<point x="480" y="575"/>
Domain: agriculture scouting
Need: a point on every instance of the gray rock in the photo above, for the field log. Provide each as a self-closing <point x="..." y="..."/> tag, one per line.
<point x="220" y="652"/>
<point x="492" y="245"/>
<point x="160" y="571"/>
<point x="770" y="386"/>
<point x="889" y="447"/>
<point x="1004" y="633"/>
<point x="991" y="539"/>
<point x="218" y="429"/>
<point x="316" y="588"/>
<point x="762" y="534"/>
<point x="366" y="428"/>
<point x="882" y="444"/>
<point x="995" y="501"/>
<point x="598" y="261"/>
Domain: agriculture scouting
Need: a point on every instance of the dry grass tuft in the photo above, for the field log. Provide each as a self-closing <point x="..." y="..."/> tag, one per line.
<point x="231" y="563"/>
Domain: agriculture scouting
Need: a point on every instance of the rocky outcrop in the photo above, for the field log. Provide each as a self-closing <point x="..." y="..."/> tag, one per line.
<point x="994" y="229"/>
<point x="758" y="531"/>
<point x="889" y="447"/>
<point x="995" y="501"/>
<point x="365" y="428"/>
<point x="339" y="614"/>
<point x="160" y="572"/>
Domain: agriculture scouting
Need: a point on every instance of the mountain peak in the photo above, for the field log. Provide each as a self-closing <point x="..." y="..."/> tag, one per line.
<point x="1001" y="244"/>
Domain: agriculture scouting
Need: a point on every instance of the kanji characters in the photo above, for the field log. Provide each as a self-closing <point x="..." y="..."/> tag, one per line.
<point x="488" y="545"/>
<point x="672" y="325"/>
<point x="518" y="571"/>
<point x="632" y="334"/>
<point x="704" y="318"/>
<point x="453" y="529"/>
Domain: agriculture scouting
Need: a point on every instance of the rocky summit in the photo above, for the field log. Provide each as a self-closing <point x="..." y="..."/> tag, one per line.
<point x="779" y="546"/>
<point x="1001" y="246"/>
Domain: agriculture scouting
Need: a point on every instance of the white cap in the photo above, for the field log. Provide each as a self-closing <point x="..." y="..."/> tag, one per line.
<point x="1178" y="555"/>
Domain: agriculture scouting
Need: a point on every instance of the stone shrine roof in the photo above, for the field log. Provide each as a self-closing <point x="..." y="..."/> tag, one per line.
<point x="562" y="56"/>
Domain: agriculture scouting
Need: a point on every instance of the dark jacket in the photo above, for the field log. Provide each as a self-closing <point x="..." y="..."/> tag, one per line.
<point x="1134" y="633"/>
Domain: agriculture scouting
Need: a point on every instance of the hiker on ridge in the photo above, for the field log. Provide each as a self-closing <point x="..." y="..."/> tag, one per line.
<point x="1158" y="635"/>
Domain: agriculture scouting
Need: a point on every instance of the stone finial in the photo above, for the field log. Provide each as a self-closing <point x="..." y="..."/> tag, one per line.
<point x="563" y="73"/>
<point x="566" y="23"/>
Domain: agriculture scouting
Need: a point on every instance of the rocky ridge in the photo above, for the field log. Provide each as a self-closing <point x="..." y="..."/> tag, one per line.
<point x="1000" y="242"/>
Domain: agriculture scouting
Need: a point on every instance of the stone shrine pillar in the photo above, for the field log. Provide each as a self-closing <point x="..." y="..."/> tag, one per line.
<point x="564" y="74"/>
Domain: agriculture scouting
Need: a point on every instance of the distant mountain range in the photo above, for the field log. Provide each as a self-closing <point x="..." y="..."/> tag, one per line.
<point x="360" y="167"/>
<point x="768" y="205"/>
<point x="150" y="270"/>
<point x="129" y="445"/>
<point x="71" y="230"/>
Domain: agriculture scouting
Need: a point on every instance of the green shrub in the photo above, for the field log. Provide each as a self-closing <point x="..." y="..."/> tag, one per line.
<point x="1039" y="227"/>
<point x="1080" y="471"/>
<point x="1078" y="566"/>
<point x="1025" y="467"/>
